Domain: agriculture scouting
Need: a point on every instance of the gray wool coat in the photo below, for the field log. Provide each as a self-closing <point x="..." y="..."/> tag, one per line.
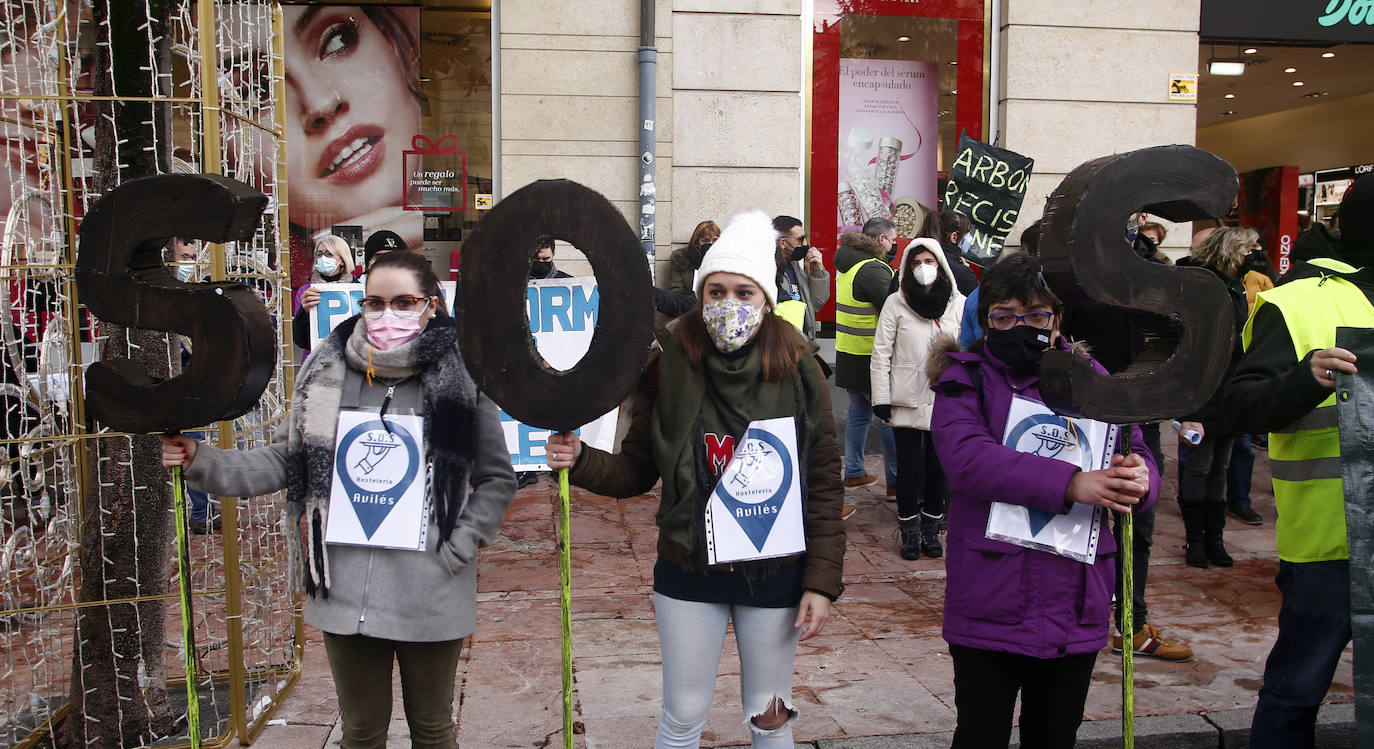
<point x="410" y="596"/>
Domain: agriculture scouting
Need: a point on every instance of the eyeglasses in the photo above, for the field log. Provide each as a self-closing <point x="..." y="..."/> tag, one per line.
<point x="1007" y="321"/>
<point x="408" y="307"/>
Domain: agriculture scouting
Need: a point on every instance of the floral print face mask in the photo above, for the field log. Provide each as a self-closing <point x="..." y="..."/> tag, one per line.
<point x="731" y="323"/>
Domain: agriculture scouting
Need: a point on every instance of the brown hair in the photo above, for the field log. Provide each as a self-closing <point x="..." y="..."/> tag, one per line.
<point x="779" y="343"/>
<point x="404" y="40"/>
<point x="704" y="230"/>
<point x="420" y="266"/>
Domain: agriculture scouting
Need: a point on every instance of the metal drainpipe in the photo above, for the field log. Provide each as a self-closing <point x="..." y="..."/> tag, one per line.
<point x="648" y="64"/>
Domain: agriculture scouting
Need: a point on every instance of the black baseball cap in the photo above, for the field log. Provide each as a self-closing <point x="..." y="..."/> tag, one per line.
<point x="381" y="241"/>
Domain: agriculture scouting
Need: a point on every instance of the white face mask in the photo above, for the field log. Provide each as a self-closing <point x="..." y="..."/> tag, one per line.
<point x="966" y="242"/>
<point x="926" y="274"/>
<point x="327" y="265"/>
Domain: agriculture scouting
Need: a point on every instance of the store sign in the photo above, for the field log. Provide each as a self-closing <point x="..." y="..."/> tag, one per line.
<point x="436" y="175"/>
<point x="1324" y="21"/>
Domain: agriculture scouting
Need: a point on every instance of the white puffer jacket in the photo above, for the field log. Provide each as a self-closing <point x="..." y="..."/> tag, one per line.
<point x="902" y="343"/>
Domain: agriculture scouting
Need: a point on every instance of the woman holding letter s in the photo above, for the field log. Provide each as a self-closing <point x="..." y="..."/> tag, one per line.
<point x="399" y="468"/>
<point x="1023" y="614"/>
<point x="734" y="415"/>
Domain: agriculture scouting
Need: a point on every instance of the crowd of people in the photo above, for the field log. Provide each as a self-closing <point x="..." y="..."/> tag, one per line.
<point x="735" y="393"/>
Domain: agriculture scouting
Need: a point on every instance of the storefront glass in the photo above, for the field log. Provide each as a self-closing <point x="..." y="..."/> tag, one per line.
<point x="388" y="127"/>
<point x="894" y="83"/>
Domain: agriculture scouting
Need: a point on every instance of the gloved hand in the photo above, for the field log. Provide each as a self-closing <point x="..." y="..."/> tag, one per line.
<point x="883" y="411"/>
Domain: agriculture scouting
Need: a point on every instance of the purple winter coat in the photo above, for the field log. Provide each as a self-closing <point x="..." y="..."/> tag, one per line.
<point x="999" y="596"/>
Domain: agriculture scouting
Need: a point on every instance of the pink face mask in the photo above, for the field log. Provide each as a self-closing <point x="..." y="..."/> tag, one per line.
<point x="389" y="331"/>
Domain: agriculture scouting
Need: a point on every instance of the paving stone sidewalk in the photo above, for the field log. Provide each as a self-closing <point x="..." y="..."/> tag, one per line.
<point x="879" y="675"/>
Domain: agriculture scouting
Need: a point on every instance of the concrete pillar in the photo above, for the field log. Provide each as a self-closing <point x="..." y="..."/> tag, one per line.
<point x="1087" y="78"/>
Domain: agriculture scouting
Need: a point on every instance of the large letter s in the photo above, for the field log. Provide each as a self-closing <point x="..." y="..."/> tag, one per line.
<point x="1088" y="261"/>
<point x="121" y="278"/>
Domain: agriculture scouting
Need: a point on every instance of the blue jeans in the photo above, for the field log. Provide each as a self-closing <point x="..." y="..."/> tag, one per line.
<point x="1314" y="628"/>
<point x="1238" y="473"/>
<point x="691" y="635"/>
<point x="856" y="437"/>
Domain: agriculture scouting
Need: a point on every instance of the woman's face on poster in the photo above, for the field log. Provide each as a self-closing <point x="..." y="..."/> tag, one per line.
<point x="350" y="115"/>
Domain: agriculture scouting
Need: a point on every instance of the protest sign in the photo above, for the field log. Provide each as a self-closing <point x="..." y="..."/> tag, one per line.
<point x="987" y="184"/>
<point x="1035" y="429"/>
<point x="562" y="314"/>
<point x="755" y="511"/>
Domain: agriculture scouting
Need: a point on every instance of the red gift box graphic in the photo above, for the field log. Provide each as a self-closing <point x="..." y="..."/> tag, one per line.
<point x="429" y="169"/>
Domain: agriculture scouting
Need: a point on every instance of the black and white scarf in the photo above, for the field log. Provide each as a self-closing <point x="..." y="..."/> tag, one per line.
<point x="450" y="400"/>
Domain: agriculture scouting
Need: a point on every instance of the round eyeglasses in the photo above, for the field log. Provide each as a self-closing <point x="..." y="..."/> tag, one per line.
<point x="408" y="307"/>
<point x="1006" y="320"/>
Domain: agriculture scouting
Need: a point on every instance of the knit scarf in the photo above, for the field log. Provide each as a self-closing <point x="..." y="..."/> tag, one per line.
<point x="928" y="303"/>
<point x="449" y="401"/>
<point x="740" y="394"/>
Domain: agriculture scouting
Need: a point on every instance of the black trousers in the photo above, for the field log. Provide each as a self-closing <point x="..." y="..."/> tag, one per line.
<point x="921" y="484"/>
<point x="1053" y="692"/>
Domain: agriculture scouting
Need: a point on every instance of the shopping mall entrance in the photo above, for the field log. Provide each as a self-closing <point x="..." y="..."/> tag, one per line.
<point x="1286" y="94"/>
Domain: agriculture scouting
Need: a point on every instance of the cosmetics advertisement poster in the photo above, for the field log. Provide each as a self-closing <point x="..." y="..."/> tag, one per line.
<point x="888" y="143"/>
<point x="353" y="102"/>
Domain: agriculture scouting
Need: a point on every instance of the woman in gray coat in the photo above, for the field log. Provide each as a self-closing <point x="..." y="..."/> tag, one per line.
<point x="394" y="524"/>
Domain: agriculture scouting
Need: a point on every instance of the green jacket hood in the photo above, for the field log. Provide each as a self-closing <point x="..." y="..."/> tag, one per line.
<point x="855" y="248"/>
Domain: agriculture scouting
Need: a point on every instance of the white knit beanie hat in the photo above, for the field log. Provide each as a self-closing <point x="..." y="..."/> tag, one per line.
<point x="748" y="246"/>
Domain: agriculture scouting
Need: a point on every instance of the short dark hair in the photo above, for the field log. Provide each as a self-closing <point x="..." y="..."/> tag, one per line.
<point x="784" y="224"/>
<point x="420" y="266"/>
<point x="545" y="243"/>
<point x="877" y="227"/>
<point x="1030" y="239"/>
<point x="1014" y="276"/>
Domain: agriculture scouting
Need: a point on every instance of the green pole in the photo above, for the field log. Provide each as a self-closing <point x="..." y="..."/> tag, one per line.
<point x="188" y="641"/>
<point x="565" y="601"/>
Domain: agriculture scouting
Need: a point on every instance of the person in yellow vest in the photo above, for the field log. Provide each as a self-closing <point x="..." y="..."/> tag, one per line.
<point x="803" y="282"/>
<point x="864" y="282"/>
<point x="1284" y="386"/>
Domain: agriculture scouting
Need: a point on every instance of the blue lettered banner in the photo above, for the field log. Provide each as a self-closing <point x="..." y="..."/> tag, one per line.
<point x="562" y="313"/>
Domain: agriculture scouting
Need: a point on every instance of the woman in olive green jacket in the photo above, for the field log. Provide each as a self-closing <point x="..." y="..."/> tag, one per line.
<point x="729" y="365"/>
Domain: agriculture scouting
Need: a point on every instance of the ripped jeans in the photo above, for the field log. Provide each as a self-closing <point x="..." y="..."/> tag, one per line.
<point x="690" y="638"/>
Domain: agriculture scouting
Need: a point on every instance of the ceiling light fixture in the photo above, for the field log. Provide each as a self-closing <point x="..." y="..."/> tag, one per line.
<point x="1290" y="70"/>
<point x="1328" y="55"/>
<point x="903" y="38"/>
<point x="1228" y="113"/>
<point x="1297" y="83"/>
<point x="1219" y="66"/>
<point x="953" y="62"/>
<point x="1250" y="50"/>
<point x="1230" y="96"/>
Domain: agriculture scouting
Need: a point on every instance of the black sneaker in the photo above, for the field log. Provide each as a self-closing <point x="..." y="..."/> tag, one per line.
<point x="1245" y="515"/>
<point x="526" y="478"/>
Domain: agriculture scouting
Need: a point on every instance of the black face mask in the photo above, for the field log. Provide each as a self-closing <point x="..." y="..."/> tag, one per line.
<point x="1019" y="348"/>
<point x="799" y="253"/>
<point x="541" y="269"/>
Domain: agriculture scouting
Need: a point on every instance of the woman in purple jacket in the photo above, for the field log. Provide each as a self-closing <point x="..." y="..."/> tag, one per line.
<point x="1020" y="619"/>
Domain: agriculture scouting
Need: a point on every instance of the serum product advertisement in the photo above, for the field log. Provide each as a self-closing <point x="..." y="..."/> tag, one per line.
<point x="888" y="143"/>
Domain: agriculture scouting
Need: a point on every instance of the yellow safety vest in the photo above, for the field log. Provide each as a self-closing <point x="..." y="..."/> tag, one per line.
<point x="1305" y="456"/>
<point x="856" y="322"/>
<point x="793" y="311"/>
